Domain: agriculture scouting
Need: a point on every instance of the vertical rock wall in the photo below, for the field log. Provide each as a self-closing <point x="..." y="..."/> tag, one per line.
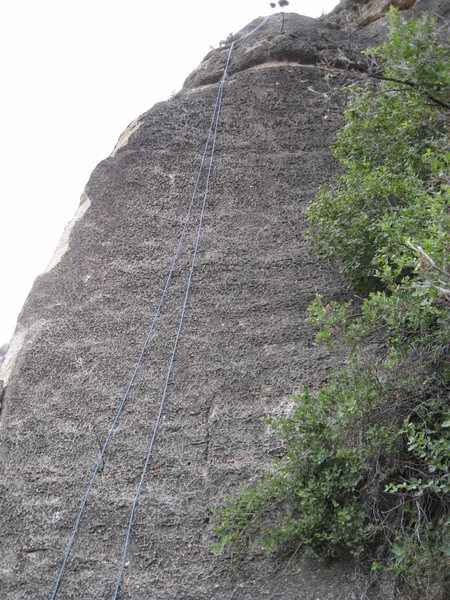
<point x="244" y="347"/>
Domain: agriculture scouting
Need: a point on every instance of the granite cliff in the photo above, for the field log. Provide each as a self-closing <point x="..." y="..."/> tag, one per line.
<point x="244" y="346"/>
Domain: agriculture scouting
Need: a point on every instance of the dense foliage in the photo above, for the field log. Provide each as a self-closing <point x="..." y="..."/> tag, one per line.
<point x="365" y="468"/>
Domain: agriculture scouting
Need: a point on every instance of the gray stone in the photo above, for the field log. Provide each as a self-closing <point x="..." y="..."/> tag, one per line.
<point x="244" y="347"/>
<point x="370" y="14"/>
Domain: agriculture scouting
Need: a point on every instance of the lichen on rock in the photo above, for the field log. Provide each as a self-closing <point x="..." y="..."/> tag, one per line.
<point x="244" y="346"/>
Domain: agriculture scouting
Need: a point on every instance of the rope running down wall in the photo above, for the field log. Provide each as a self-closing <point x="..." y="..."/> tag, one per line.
<point x="212" y="132"/>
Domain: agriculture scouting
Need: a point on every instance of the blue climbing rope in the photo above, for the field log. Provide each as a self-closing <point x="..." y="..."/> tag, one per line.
<point x="252" y="31"/>
<point x="141" y="356"/>
<point x="212" y="130"/>
<point x="183" y="310"/>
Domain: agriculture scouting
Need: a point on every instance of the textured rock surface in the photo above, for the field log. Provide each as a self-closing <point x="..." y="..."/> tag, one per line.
<point x="3" y="351"/>
<point x="244" y="347"/>
<point x="353" y="14"/>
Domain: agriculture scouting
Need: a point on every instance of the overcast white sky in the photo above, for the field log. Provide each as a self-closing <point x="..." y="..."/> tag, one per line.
<point x="74" y="73"/>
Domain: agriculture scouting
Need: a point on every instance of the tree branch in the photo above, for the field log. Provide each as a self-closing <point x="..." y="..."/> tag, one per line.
<point x="410" y="85"/>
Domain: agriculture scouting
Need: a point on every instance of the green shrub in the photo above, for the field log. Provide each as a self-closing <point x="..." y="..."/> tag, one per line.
<point x="365" y="469"/>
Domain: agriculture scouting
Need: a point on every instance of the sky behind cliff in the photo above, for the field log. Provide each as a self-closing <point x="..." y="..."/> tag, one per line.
<point x="74" y="74"/>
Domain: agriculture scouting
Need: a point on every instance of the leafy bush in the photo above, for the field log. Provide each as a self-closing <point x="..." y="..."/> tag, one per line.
<point x="365" y="469"/>
<point x="231" y="37"/>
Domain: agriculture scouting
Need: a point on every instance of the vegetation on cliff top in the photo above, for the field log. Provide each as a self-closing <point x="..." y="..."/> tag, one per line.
<point x="365" y="468"/>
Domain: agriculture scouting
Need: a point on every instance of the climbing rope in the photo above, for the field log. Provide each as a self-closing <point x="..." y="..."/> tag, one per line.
<point x="139" y="362"/>
<point x="183" y="310"/>
<point x="212" y="131"/>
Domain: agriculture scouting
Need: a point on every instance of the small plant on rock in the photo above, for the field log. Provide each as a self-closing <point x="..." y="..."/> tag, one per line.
<point x="366" y="464"/>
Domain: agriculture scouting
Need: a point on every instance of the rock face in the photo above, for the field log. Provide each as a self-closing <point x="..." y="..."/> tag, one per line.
<point x="244" y="346"/>
<point x="3" y="351"/>
<point x="356" y="14"/>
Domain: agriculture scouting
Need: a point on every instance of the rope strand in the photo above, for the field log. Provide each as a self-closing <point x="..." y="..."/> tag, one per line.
<point x="212" y="131"/>
<point x="141" y="356"/>
<point x="172" y="358"/>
